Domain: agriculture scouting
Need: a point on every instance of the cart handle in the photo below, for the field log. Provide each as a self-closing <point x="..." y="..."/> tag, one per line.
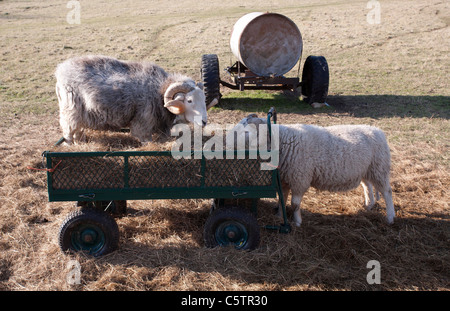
<point x="272" y="113"/>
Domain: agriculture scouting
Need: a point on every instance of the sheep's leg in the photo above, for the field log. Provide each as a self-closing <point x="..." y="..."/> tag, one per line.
<point x="68" y="133"/>
<point x="285" y="190"/>
<point x="68" y="140"/>
<point x="390" y="211"/>
<point x="368" y="194"/>
<point x="72" y="134"/>
<point x="66" y="107"/>
<point x="295" y="202"/>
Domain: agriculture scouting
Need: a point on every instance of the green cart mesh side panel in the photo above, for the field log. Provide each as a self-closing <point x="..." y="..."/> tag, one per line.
<point x="163" y="171"/>
<point x="76" y="173"/>
<point x="154" y="171"/>
<point x="236" y="172"/>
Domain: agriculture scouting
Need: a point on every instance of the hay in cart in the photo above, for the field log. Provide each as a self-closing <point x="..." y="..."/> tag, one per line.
<point x="88" y="166"/>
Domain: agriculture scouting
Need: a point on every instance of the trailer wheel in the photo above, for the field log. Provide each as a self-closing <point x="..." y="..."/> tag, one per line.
<point x="210" y="76"/>
<point x="89" y="230"/>
<point x="315" y="79"/>
<point x="232" y="227"/>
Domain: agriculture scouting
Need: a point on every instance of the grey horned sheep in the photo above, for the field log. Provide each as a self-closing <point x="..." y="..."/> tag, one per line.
<point x="103" y="93"/>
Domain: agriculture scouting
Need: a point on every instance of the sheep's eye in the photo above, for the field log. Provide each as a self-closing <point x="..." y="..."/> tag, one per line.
<point x="190" y="101"/>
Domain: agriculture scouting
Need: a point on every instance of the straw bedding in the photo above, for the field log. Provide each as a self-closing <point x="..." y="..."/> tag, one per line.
<point x="162" y="246"/>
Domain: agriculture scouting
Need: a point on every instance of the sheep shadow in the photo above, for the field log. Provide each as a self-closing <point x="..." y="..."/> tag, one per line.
<point x="359" y="106"/>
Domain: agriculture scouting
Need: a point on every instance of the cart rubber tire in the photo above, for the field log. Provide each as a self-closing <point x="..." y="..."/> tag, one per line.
<point x="232" y="226"/>
<point x="315" y="79"/>
<point x="89" y="230"/>
<point x="210" y="76"/>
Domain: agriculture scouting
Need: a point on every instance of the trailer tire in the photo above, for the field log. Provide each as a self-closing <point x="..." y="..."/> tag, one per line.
<point x="315" y="79"/>
<point x="232" y="226"/>
<point x="89" y="230"/>
<point x="210" y="75"/>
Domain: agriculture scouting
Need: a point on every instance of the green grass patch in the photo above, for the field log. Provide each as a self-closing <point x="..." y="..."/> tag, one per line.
<point x="262" y="101"/>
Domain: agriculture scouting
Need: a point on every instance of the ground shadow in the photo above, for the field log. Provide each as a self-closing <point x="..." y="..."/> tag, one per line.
<point x="360" y="106"/>
<point x="328" y="252"/>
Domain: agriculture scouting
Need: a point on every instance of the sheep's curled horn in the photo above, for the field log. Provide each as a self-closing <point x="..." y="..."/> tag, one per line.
<point x="176" y="106"/>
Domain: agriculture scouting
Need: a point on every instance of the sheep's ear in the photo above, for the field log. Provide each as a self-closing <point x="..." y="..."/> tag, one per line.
<point x="175" y="106"/>
<point x="200" y="85"/>
<point x="253" y="119"/>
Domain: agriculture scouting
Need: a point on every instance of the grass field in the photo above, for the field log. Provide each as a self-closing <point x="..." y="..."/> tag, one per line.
<point x="393" y="75"/>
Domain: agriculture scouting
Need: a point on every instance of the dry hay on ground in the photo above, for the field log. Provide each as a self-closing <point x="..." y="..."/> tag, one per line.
<point x="391" y="75"/>
<point x="161" y="243"/>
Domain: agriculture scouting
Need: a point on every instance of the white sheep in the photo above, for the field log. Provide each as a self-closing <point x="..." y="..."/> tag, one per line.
<point x="335" y="158"/>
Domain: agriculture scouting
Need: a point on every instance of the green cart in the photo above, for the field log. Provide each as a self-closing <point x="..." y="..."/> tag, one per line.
<point x="102" y="182"/>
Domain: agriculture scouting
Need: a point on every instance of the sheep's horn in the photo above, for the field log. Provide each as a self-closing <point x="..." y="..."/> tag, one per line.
<point x="175" y="88"/>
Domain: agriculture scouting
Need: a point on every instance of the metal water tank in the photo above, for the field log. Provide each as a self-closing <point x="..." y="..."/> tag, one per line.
<point x="269" y="44"/>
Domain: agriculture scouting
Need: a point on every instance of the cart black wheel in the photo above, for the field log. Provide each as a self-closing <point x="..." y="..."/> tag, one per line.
<point x="89" y="230"/>
<point x="211" y="77"/>
<point x="231" y="227"/>
<point x="315" y="79"/>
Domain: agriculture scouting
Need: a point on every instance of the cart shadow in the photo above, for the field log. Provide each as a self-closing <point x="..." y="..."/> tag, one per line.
<point x="327" y="251"/>
<point x="360" y="106"/>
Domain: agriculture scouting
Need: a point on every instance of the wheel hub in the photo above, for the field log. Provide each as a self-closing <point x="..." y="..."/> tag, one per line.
<point x="88" y="236"/>
<point x="232" y="233"/>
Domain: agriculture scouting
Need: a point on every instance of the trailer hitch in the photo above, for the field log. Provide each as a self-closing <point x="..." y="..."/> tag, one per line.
<point x="282" y="228"/>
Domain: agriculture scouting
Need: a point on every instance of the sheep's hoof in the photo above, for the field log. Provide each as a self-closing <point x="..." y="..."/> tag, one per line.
<point x="390" y="220"/>
<point x="369" y="207"/>
<point x="297" y="222"/>
<point x="318" y="105"/>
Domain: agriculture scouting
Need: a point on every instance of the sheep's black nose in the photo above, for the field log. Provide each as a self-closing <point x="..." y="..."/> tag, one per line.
<point x="204" y="123"/>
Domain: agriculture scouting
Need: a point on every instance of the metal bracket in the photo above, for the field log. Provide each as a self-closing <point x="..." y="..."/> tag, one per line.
<point x="89" y="196"/>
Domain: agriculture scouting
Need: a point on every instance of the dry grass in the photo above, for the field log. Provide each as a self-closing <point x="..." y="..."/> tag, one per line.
<point x="162" y="248"/>
<point x="391" y="75"/>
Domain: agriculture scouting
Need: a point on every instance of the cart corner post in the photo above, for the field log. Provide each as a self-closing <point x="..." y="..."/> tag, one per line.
<point x="49" y="177"/>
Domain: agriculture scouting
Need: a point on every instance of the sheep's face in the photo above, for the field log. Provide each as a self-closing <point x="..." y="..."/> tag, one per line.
<point x="189" y="106"/>
<point x="195" y="107"/>
<point x="253" y="119"/>
<point x="252" y="133"/>
<point x="246" y="130"/>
